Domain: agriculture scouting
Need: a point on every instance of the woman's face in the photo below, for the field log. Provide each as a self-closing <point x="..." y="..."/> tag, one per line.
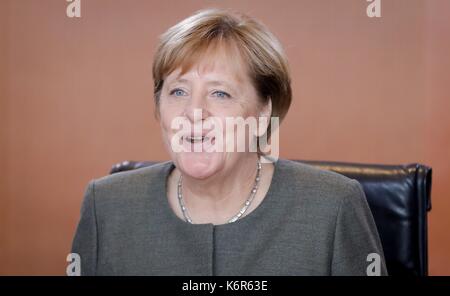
<point x="212" y="90"/>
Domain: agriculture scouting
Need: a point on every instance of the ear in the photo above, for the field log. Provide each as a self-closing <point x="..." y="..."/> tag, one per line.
<point x="264" y="118"/>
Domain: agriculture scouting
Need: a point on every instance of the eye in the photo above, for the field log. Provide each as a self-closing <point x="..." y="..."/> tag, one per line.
<point x="178" y="92"/>
<point x="221" y="94"/>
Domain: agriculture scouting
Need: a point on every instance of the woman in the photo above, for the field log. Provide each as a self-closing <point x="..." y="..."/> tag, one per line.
<point x="214" y="209"/>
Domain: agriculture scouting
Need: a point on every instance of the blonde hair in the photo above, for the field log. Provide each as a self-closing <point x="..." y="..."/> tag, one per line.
<point x="183" y="44"/>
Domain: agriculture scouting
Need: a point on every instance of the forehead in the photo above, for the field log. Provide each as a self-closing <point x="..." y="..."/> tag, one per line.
<point x="217" y="63"/>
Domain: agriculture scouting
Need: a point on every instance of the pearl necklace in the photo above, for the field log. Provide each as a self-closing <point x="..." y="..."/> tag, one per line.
<point x="247" y="203"/>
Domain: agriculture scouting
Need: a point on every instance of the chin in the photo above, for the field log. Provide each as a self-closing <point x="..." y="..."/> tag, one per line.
<point x="199" y="165"/>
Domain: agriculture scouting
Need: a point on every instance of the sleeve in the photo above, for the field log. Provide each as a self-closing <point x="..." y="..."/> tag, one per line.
<point x="357" y="247"/>
<point x="85" y="239"/>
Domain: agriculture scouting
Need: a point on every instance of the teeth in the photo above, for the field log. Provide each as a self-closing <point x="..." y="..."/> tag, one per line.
<point x="196" y="139"/>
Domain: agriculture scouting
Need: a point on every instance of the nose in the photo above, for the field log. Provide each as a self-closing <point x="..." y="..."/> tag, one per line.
<point x="196" y="108"/>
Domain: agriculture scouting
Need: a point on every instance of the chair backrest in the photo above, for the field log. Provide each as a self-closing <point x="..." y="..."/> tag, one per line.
<point x="399" y="197"/>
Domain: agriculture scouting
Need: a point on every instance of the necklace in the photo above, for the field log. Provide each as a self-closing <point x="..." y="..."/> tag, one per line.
<point x="244" y="208"/>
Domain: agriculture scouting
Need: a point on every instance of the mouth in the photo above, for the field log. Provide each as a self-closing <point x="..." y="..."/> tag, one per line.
<point x="200" y="143"/>
<point x="196" y="139"/>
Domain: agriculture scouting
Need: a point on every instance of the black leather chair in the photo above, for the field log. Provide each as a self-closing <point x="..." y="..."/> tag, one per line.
<point x="399" y="197"/>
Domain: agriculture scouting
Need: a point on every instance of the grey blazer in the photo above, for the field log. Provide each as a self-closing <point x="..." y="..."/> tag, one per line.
<point x="311" y="222"/>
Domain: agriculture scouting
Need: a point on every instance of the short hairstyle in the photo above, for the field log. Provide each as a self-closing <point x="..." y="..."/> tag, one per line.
<point x="267" y="64"/>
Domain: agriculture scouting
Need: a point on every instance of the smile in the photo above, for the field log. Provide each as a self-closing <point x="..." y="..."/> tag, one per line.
<point x="196" y="139"/>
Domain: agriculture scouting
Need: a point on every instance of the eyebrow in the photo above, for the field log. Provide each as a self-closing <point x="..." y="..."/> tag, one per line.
<point x="180" y="80"/>
<point x="211" y="82"/>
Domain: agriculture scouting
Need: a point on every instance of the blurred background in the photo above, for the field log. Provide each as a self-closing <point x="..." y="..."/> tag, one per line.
<point x="76" y="97"/>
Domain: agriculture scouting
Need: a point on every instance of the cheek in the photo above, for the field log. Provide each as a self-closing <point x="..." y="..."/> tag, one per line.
<point x="243" y="108"/>
<point x="249" y="106"/>
<point x="167" y="112"/>
<point x="165" y="121"/>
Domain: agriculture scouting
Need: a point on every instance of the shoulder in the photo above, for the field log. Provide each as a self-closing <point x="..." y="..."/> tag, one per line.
<point x="308" y="177"/>
<point x="322" y="188"/>
<point x="133" y="184"/>
<point x="134" y="176"/>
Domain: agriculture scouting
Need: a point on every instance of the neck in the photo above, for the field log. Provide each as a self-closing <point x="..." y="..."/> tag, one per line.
<point x="222" y="191"/>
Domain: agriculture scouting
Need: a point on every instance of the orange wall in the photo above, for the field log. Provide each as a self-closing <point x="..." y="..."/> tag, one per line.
<point x="76" y="97"/>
